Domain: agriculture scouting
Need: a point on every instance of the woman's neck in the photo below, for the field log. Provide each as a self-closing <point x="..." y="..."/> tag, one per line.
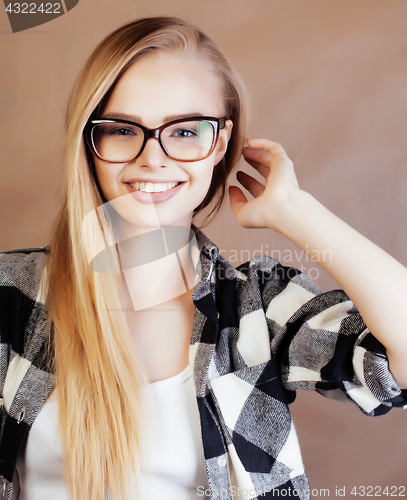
<point x="159" y="268"/>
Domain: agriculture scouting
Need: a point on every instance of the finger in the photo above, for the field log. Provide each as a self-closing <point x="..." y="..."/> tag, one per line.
<point x="259" y="155"/>
<point x="264" y="156"/>
<point x="254" y="187"/>
<point x="274" y="148"/>
<point x="237" y="199"/>
<point x="238" y="203"/>
<point x="262" y="169"/>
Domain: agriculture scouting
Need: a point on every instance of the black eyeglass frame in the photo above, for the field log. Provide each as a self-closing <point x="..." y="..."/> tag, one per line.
<point x="149" y="133"/>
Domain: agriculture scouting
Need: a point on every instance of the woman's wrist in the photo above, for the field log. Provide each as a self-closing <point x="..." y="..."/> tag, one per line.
<point x="293" y="213"/>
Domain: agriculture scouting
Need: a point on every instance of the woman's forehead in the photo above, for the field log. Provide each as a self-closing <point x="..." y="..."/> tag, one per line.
<point x="159" y="85"/>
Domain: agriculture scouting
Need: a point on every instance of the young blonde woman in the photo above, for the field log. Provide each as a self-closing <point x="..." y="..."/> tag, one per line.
<point x="136" y="362"/>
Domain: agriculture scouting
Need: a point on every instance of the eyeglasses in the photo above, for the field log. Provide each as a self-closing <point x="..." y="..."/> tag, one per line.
<point x="185" y="139"/>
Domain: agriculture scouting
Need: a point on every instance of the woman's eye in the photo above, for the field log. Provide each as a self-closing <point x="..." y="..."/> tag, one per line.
<point x="184" y="133"/>
<point x="121" y="131"/>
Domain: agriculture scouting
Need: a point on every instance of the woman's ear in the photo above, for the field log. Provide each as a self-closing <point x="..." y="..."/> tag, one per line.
<point x="228" y="127"/>
<point x="222" y="145"/>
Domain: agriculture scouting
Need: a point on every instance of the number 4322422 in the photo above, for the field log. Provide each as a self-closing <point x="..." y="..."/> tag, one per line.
<point x="377" y="491"/>
<point x="33" y="8"/>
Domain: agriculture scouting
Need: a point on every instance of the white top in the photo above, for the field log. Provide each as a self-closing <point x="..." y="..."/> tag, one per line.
<point x="173" y="464"/>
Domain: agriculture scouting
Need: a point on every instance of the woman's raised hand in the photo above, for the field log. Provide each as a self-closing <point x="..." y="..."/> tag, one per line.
<point x="267" y="208"/>
<point x="374" y="281"/>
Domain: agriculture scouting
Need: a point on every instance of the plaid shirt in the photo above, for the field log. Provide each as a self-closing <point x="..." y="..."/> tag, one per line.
<point x="261" y="331"/>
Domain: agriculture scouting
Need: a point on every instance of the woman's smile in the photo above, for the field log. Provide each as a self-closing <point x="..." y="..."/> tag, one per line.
<point x="157" y="192"/>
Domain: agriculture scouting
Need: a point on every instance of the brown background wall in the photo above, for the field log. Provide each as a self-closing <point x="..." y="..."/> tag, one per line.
<point x="328" y="80"/>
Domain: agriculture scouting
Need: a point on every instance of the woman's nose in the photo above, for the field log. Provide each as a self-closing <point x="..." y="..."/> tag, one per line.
<point x="152" y="155"/>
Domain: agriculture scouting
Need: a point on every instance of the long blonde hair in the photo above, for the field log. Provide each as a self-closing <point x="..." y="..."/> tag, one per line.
<point x="99" y="377"/>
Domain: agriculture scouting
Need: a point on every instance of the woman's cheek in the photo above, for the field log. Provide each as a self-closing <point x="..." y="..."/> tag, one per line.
<point x="107" y="178"/>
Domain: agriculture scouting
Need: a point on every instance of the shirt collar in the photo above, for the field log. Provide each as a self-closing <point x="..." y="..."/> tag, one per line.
<point x="204" y="295"/>
<point x="205" y="245"/>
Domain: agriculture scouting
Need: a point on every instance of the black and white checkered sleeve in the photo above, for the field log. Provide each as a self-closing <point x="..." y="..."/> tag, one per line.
<point x="322" y="342"/>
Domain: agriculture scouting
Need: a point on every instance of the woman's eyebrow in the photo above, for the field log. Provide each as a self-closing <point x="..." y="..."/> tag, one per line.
<point x="137" y="119"/>
<point x="121" y="116"/>
<point x="176" y="117"/>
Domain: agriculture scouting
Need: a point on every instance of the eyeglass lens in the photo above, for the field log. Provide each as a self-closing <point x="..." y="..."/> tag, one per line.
<point x="120" y="142"/>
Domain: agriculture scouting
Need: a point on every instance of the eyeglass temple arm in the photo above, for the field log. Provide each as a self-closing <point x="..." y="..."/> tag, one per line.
<point x="222" y="122"/>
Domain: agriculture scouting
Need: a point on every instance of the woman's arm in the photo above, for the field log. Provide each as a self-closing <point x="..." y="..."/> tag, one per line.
<point x="374" y="281"/>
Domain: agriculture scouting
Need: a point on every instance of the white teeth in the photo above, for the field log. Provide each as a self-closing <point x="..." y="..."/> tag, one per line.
<point x="149" y="187"/>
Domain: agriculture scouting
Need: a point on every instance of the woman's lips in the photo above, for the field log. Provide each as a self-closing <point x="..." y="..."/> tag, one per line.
<point x="154" y="197"/>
